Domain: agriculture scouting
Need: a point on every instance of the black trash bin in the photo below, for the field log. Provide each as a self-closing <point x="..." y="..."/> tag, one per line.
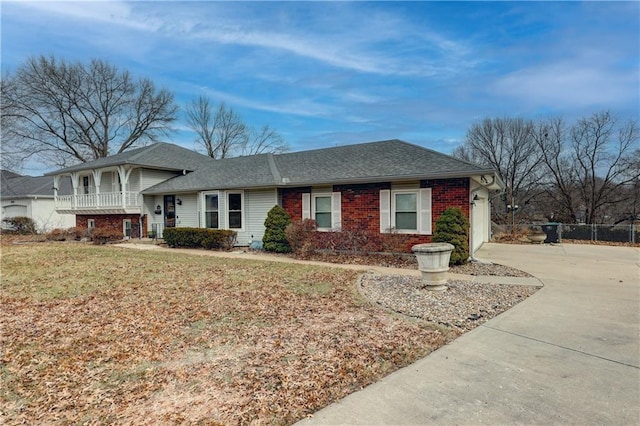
<point x="551" y="229"/>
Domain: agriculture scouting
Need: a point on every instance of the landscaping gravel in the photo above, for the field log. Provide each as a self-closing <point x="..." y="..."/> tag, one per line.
<point x="462" y="306"/>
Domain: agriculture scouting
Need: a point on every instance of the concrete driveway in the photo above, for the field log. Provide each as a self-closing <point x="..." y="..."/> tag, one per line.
<point x="570" y="354"/>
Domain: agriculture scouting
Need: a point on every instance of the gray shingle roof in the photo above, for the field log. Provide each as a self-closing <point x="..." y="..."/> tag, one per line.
<point x="366" y="162"/>
<point x="15" y="185"/>
<point x="160" y="155"/>
<point x="239" y="172"/>
<point x="393" y="159"/>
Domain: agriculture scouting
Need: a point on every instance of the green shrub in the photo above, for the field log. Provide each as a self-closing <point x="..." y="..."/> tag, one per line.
<point x="199" y="238"/>
<point x="453" y="228"/>
<point x="20" y="225"/>
<point x="105" y="235"/>
<point x="275" y="237"/>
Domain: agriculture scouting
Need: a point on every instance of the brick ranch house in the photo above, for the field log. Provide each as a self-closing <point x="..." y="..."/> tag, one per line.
<point x="387" y="186"/>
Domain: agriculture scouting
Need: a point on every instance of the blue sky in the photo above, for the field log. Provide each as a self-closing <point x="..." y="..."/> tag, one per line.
<point x="333" y="73"/>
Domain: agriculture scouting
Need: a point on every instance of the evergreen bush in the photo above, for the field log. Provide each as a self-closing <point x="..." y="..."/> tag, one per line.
<point x="275" y="238"/>
<point x="453" y="227"/>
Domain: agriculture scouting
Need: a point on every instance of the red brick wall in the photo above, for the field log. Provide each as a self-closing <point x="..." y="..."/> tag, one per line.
<point x="113" y="221"/>
<point x="361" y="203"/>
<point x="448" y="193"/>
<point x="292" y="201"/>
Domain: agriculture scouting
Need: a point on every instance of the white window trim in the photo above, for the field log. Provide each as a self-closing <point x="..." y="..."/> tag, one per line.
<point x="393" y="210"/>
<point x="309" y="208"/>
<point x="227" y="211"/>
<point x="423" y="205"/>
<point x="91" y="223"/>
<point x="124" y="228"/>
<point x="203" y="216"/>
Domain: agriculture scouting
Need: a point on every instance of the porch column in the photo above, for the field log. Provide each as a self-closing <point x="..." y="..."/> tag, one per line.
<point x="124" y="181"/>
<point x="97" y="177"/>
<point x="56" y="183"/>
<point x="75" y="180"/>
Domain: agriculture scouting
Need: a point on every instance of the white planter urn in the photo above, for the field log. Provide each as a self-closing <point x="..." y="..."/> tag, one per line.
<point x="433" y="262"/>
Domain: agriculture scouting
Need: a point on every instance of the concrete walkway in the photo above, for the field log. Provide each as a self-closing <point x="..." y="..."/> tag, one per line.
<point x="570" y="354"/>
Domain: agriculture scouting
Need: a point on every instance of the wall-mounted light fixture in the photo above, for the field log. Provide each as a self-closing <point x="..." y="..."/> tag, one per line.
<point x="158" y="209"/>
<point x="179" y="201"/>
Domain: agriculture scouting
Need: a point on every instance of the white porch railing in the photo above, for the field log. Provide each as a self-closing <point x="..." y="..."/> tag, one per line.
<point x="104" y="200"/>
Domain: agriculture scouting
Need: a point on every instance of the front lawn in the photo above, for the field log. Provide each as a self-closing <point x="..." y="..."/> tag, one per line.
<point x="94" y="334"/>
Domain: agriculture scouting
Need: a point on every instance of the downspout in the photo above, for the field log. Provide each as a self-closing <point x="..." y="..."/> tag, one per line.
<point x="472" y="203"/>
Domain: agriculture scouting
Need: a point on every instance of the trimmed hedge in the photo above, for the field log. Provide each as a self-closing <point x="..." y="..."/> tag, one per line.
<point x="199" y="238"/>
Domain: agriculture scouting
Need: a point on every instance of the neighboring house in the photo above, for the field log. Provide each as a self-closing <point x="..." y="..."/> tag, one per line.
<point x="32" y="197"/>
<point x="388" y="186"/>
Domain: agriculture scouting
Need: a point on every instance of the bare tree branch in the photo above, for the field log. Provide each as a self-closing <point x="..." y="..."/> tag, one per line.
<point x="224" y="134"/>
<point x="68" y="112"/>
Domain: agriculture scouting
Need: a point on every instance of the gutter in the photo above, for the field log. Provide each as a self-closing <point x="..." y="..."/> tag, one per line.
<point x="284" y="182"/>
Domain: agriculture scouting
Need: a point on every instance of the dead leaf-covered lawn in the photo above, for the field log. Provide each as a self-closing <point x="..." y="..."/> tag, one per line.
<point x="102" y="335"/>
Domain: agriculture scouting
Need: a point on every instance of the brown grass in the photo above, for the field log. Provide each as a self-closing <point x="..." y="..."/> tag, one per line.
<point x="102" y="335"/>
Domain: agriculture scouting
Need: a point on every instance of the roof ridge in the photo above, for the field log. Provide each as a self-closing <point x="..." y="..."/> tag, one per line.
<point x="277" y="177"/>
<point x="329" y="148"/>
<point x="143" y="150"/>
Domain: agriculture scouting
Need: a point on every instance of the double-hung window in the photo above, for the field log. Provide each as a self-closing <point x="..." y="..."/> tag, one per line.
<point x="325" y="208"/>
<point x="234" y="204"/>
<point x="211" y="211"/>
<point x="322" y="211"/>
<point x="406" y="211"/>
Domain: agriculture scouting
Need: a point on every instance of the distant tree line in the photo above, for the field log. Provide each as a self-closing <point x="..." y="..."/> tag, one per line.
<point x="60" y="113"/>
<point x="587" y="171"/>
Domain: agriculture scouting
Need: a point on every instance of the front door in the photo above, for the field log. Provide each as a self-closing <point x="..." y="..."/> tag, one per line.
<point x="126" y="228"/>
<point x="169" y="211"/>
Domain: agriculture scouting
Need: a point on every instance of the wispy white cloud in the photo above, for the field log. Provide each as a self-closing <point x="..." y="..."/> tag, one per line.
<point x="566" y="85"/>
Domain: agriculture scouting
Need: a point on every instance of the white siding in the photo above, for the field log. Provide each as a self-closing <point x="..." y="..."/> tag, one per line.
<point x="256" y="206"/>
<point x="106" y="182"/>
<point x="149" y="177"/>
<point x="479" y="218"/>
<point x="150" y="204"/>
<point x="40" y="209"/>
<point x="187" y="213"/>
<point x="134" y="181"/>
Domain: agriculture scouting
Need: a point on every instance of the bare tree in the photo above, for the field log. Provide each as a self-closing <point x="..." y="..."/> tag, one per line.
<point x="224" y="134"/>
<point x="592" y="164"/>
<point x="14" y="154"/>
<point x="507" y="145"/>
<point x="68" y="112"/>
<point x="265" y="140"/>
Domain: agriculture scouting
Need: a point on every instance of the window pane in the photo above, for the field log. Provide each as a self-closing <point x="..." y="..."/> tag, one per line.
<point x="235" y="220"/>
<point x="235" y="202"/>
<point x="211" y="202"/>
<point x="212" y="219"/>
<point x="323" y="204"/>
<point x="406" y="221"/>
<point x="406" y="203"/>
<point x="323" y="220"/>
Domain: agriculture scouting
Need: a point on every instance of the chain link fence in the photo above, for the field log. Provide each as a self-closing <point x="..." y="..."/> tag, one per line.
<point x="613" y="233"/>
<point x="620" y="233"/>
